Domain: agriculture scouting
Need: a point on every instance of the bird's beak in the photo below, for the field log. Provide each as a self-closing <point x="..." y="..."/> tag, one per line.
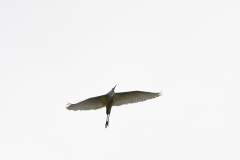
<point x="114" y="87"/>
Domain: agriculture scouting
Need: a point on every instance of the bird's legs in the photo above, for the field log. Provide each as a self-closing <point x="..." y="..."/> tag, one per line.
<point x="107" y="121"/>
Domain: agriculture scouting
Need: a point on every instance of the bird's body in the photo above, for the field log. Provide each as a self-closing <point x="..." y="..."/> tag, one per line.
<point x="112" y="99"/>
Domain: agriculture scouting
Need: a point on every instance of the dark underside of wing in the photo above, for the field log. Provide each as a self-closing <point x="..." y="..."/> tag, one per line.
<point x="89" y="104"/>
<point x="133" y="97"/>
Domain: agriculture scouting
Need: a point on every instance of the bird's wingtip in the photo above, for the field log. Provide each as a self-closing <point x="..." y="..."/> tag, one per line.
<point x="68" y="105"/>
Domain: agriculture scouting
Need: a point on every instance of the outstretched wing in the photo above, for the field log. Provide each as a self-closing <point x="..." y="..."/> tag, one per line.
<point x="89" y="104"/>
<point x="133" y="97"/>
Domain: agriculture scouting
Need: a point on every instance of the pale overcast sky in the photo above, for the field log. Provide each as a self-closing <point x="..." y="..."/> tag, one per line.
<point x="53" y="52"/>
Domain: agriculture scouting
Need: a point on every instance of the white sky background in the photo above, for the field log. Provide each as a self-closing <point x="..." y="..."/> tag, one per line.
<point x="54" y="52"/>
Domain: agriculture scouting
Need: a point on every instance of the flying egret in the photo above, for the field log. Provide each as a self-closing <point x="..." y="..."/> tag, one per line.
<point x="112" y="99"/>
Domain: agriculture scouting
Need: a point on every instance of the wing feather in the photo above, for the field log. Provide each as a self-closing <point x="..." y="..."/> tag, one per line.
<point x="133" y="97"/>
<point x="89" y="104"/>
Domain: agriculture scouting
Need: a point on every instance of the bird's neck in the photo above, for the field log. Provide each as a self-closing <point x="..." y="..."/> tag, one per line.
<point x="111" y="93"/>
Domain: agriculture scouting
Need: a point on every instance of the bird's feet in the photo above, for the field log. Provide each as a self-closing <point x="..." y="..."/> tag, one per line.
<point x="106" y="125"/>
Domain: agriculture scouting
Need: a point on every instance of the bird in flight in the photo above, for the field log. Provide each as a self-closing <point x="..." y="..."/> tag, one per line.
<point x="112" y="99"/>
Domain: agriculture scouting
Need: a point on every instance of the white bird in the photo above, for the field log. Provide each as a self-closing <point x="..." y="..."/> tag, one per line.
<point x="112" y="99"/>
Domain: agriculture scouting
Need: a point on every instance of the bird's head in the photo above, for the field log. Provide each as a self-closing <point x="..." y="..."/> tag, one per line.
<point x="111" y="92"/>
